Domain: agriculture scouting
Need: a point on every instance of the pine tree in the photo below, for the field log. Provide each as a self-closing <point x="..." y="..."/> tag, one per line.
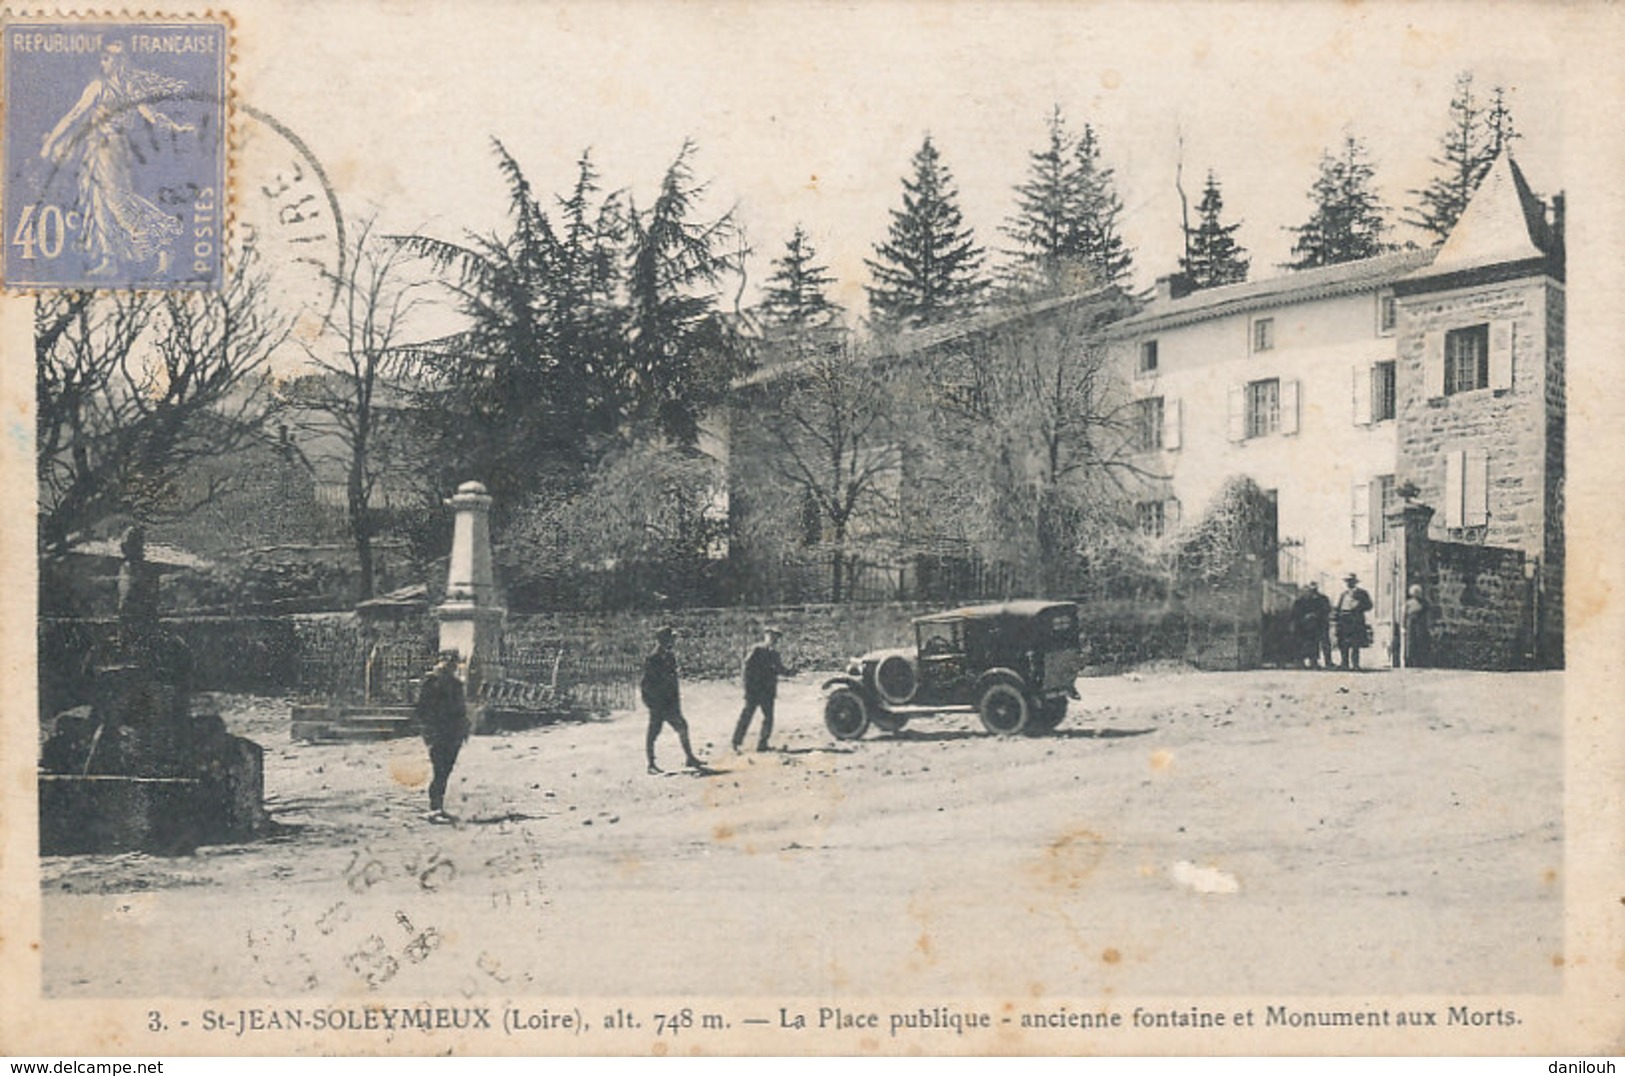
<point x="1099" y="243"/>
<point x="1472" y="142"/>
<point x="795" y="300"/>
<point x="1215" y="257"/>
<point x="929" y="269"/>
<point x="1347" y="223"/>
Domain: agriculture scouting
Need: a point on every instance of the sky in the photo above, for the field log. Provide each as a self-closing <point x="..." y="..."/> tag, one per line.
<point x="810" y="112"/>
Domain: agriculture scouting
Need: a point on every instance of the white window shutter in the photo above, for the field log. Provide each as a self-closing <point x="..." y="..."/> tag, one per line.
<point x="1379" y="523"/>
<point x="1501" y="355"/>
<point x="1475" y="490"/>
<point x="1289" y="407"/>
<point x="1454" y="466"/>
<point x="1238" y="412"/>
<point x="1361" y="513"/>
<point x="1170" y="515"/>
<point x="1433" y="365"/>
<point x="1362" y="394"/>
<point x="1172" y="413"/>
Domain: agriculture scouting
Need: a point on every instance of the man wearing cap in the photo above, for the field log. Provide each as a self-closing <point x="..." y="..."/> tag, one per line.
<point x="1352" y="632"/>
<point x="763" y="667"/>
<point x="442" y="716"/>
<point x="660" y="695"/>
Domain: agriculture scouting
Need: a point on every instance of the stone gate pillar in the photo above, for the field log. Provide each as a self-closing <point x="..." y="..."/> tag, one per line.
<point x="471" y="618"/>
<point x="1408" y="531"/>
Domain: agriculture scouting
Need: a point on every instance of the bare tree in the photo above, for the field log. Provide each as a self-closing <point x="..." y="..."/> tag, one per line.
<point x="1036" y="427"/>
<point x="830" y="442"/>
<point x="133" y="390"/>
<point x="358" y="362"/>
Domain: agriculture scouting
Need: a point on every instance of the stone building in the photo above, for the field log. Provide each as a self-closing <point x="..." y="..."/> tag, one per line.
<point x="1435" y="372"/>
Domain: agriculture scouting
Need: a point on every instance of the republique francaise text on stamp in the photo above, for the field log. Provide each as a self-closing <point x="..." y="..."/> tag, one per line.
<point x="115" y="153"/>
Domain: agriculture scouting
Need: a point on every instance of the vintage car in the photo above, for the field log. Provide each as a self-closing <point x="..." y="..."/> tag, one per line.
<point x="1013" y="663"/>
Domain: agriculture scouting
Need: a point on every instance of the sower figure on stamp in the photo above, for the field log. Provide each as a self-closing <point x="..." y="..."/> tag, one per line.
<point x="442" y="715"/>
<point x="660" y="695"/>
<point x="763" y="667"/>
<point x="1352" y="630"/>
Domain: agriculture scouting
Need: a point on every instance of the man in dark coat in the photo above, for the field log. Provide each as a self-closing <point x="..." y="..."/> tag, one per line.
<point x="1311" y="624"/>
<point x="442" y="716"/>
<point x="660" y="695"/>
<point x="763" y="667"/>
<point x="1352" y="631"/>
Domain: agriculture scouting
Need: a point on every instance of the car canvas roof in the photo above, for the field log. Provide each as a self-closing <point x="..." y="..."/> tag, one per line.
<point x="1026" y="608"/>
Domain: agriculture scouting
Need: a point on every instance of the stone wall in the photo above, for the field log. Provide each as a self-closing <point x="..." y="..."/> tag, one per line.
<point x="1481" y="616"/>
<point x="321" y="655"/>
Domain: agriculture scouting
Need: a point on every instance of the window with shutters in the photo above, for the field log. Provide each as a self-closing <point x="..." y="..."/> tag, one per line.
<point x="1263" y="407"/>
<point x="1382" y="499"/>
<point x="1383" y="400"/>
<point x="1369" y="510"/>
<point x="1149" y="424"/>
<point x="1466" y="359"/>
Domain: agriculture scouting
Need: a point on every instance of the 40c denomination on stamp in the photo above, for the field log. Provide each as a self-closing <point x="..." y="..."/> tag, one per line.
<point x="115" y="147"/>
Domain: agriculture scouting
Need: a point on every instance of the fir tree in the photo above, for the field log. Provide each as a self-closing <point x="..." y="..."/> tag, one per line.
<point x="1472" y="142"/>
<point x="795" y="300"/>
<point x="1045" y="227"/>
<point x="1099" y="243"/>
<point x="1214" y="256"/>
<point x="929" y="268"/>
<point x="1347" y="223"/>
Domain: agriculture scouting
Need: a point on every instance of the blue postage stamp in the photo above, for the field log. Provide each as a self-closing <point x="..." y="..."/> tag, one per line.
<point x="115" y="152"/>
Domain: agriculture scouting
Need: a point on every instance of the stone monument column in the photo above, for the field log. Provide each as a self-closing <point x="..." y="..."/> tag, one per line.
<point x="471" y="618"/>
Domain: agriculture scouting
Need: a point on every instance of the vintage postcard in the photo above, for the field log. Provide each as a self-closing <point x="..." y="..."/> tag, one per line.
<point x="647" y="528"/>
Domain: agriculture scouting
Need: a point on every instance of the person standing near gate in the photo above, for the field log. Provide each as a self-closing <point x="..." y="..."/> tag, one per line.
<point x="1418" y="641"/>
<point x="763" y="667"/>
<point x="1352" y="630"/>
<point x="442" y="716"/>
<point x="660" y="694"/>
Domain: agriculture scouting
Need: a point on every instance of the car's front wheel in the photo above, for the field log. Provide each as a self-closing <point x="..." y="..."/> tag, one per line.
<point x="845" y="714"/>
<point x="1004" y="708"/>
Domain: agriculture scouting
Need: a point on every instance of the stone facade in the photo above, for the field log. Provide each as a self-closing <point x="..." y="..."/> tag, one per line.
<point x="1490" y="459"/>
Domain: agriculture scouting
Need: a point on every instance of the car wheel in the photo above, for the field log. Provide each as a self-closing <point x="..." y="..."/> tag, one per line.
<point x="888" y="722"/>
<point x="845" y="715"/>
<point x="1050" y="713"/>
<point x="1004" y="709"/>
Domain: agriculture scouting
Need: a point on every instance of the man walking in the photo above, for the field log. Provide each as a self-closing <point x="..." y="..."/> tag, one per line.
<point x="763" y="667"/>
<point x="1352" y="631"/>
<point x="660" y="695"/>
<point x="442" y="716"/>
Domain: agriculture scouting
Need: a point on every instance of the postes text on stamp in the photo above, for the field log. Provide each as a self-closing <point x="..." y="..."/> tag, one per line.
<point x="115" y="152"/>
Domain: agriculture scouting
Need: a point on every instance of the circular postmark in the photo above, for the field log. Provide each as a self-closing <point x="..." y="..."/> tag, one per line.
<point x="286" y="220"/>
